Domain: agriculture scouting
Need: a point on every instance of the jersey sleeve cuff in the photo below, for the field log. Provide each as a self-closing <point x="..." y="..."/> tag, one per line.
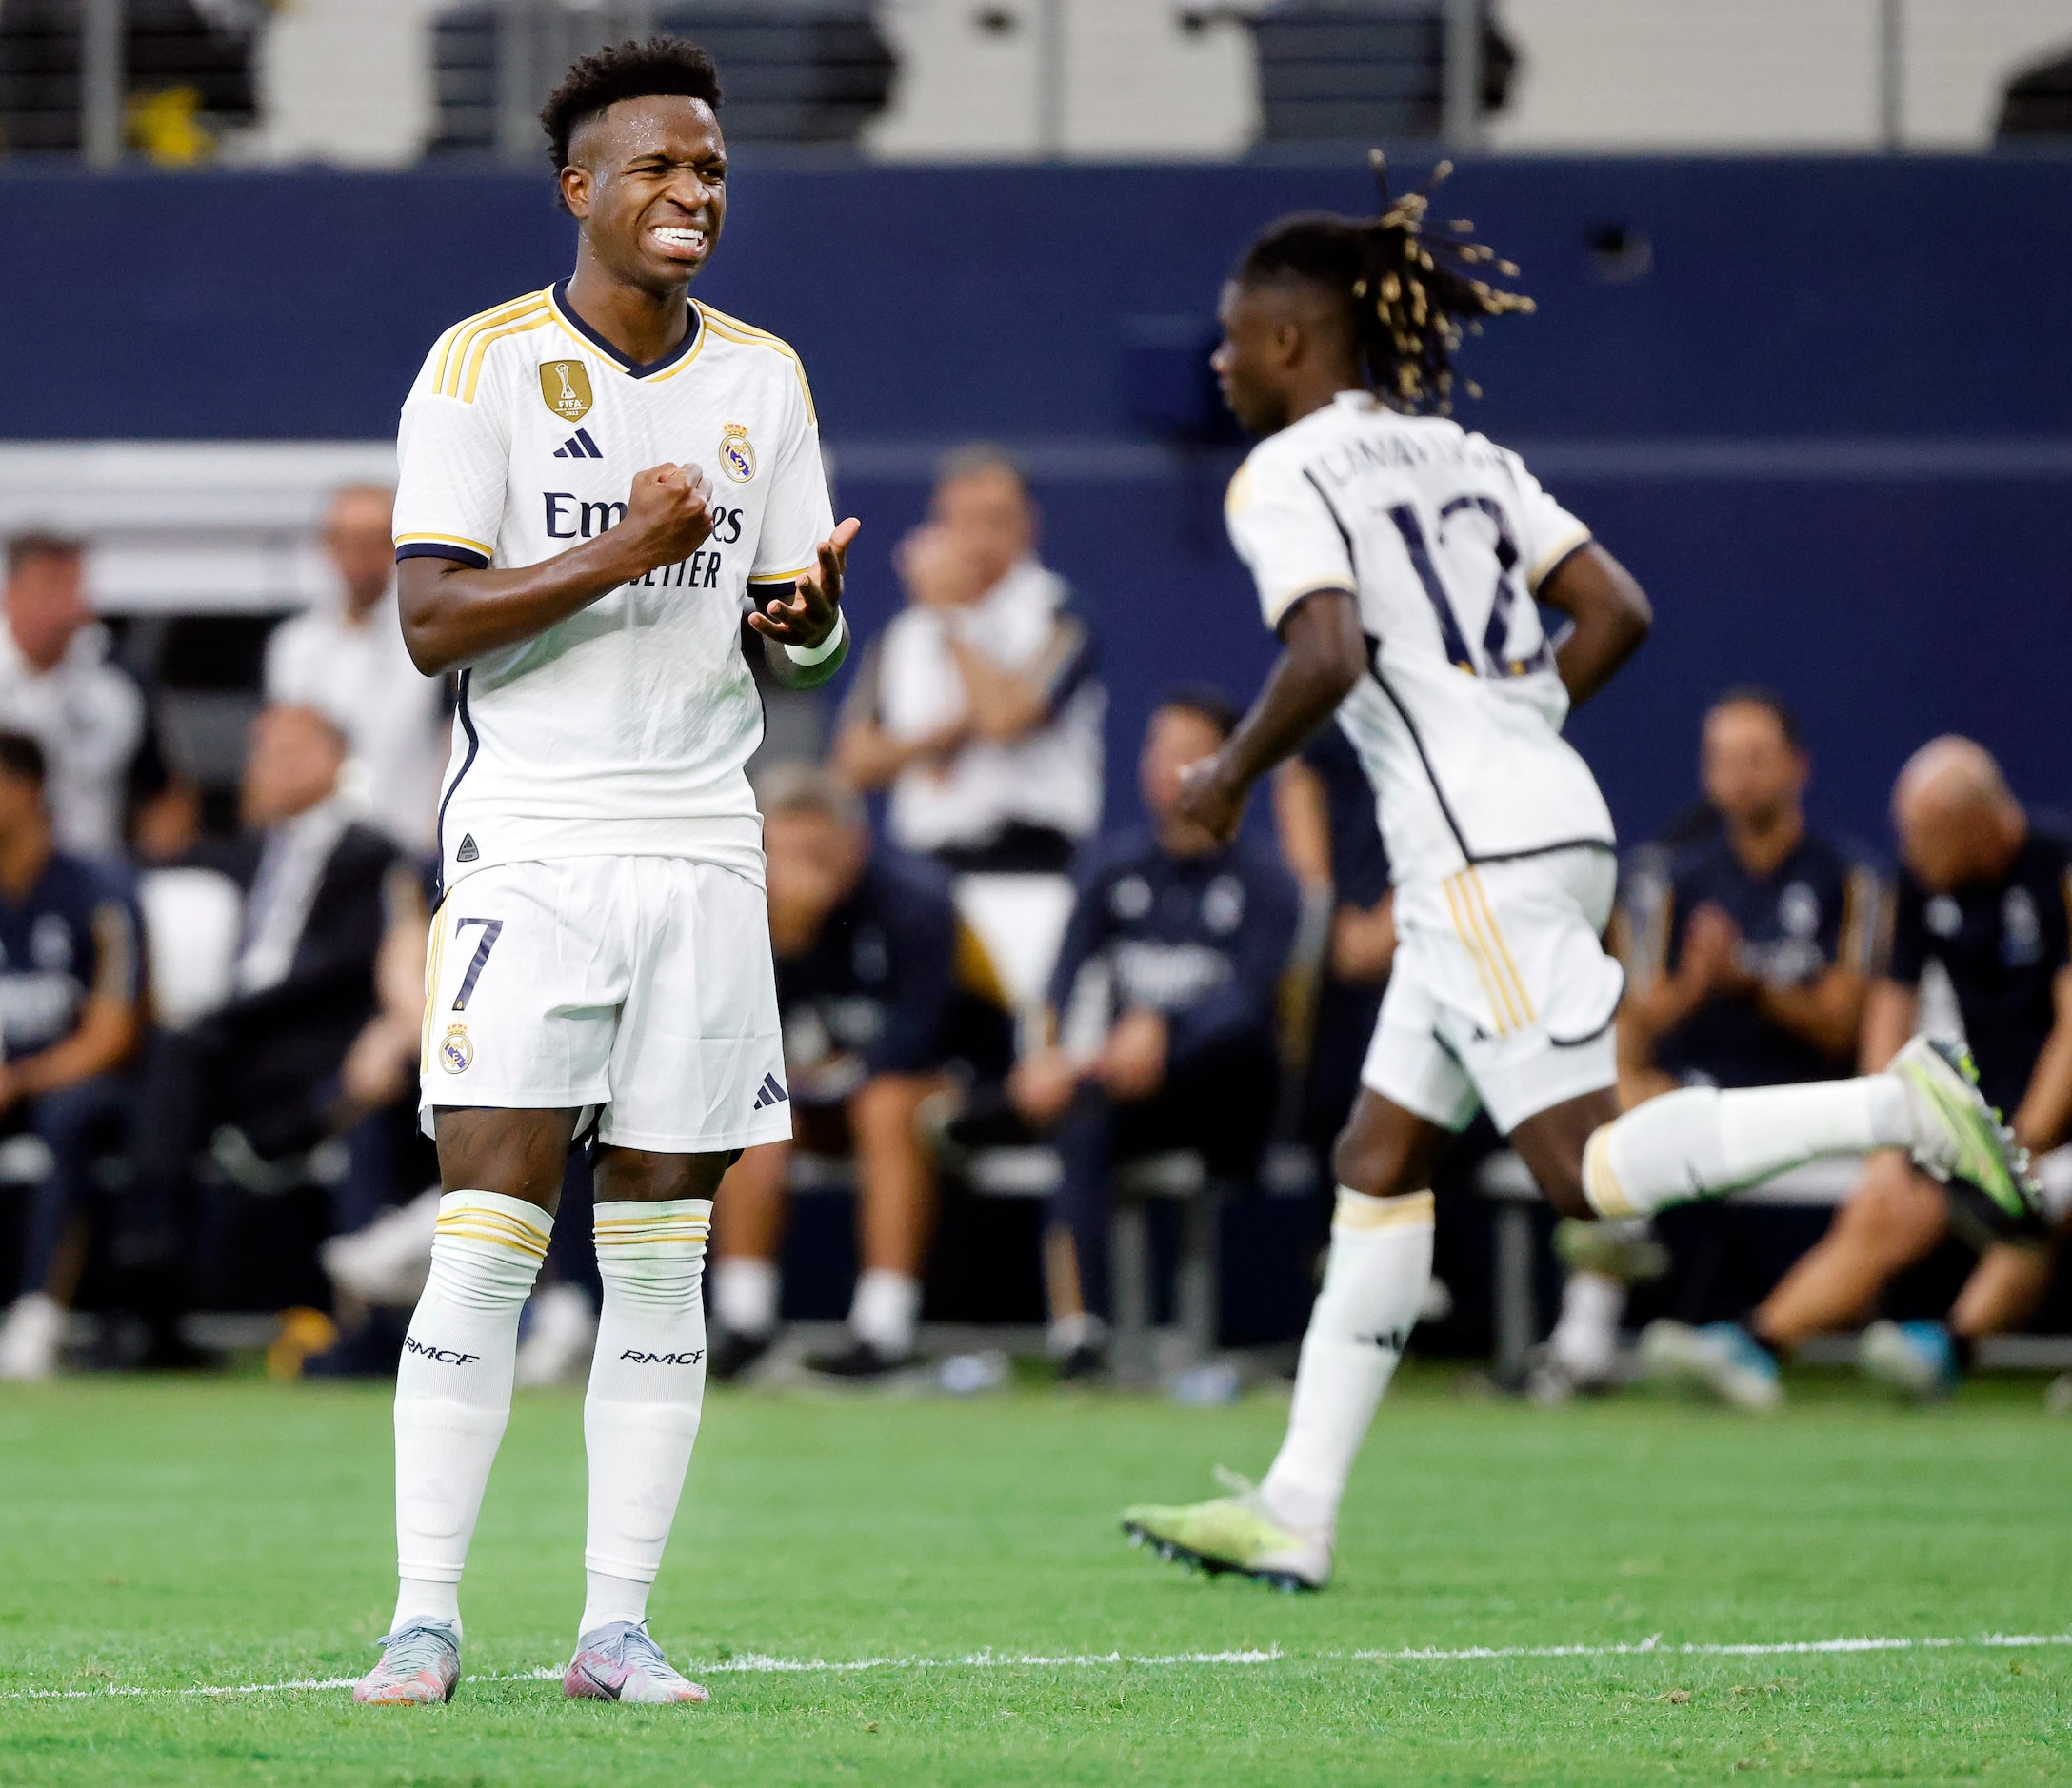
<point x="1279" y="608"/>
<point x="470" y="553"/>
<point x="1552" y="562"/>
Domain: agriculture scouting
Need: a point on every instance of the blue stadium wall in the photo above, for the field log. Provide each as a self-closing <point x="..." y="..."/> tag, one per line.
<point x="1829" y="424"/>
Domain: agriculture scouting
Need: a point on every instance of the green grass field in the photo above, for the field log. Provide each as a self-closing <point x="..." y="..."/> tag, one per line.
<point x="160" y="1538"/>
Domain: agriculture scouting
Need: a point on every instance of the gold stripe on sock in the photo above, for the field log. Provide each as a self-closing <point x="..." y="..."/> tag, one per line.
<point x="1354" y="1211"/>
<point x="475" y="1224"/>
<point x="1600" y="1184"/>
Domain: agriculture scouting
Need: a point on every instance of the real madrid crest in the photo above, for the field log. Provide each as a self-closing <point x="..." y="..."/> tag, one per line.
<point x="456" y="1050"/>
<point x="565" y="388"/>
<point x="737" y="452"/>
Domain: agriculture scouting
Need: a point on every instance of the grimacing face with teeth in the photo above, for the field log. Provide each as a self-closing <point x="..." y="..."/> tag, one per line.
<point x="646" y="181"/>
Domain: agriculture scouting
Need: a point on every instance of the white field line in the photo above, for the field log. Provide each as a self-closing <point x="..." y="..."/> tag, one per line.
<point x="754" y="1663"/>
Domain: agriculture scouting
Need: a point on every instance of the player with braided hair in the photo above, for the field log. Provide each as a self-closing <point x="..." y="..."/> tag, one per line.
<point x="1404" y="563"/>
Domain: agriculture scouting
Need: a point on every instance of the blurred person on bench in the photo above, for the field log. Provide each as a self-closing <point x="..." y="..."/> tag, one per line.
<point x="1748" y="967"/>
<point x="59" y="684"/>
<point x="71" y="1016"/>
<point x="1983" y="912"/>
<point x="346" y="660"/>
<point x="1164" y="1004"/>
<point x="272" y="1072"/>
<point x="887" y="1000"/>
<point x="976" y="708"/>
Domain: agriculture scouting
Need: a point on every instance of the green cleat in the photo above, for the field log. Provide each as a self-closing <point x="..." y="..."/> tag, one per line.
<point x="1961" y="1141"/>
<point x="1235" y="1534"/>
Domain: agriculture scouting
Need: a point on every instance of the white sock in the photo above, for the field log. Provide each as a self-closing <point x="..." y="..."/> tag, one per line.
<point x="647" y="1390"/>
<point x="745" y="1294"/>
<point x="1381" y="1262"/>
<point x="885" y="1310"/>
<point x="1698" y="1141"/>
<point x="607" y="1599"/>
<point x="453" y="1387"/>
<point x="1587" y="1337"/>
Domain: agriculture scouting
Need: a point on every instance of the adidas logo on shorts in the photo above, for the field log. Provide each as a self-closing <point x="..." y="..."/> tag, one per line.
<point x="772" y="1094"/>
<point x="467" y="853"/>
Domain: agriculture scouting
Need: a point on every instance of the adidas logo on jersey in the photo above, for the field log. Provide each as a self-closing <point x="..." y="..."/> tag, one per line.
<point x="771" y="1093"/>
<point x="579" y="446"/>
<point x="467" y="853"/>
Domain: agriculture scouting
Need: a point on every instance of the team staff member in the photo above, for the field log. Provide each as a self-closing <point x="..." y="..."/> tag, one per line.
<point x="70" y="997"/>
<point x="1984" y="900"/>
<point x="977" y="709"/>
<point x="60" y="685"/>
<point x="1751" y="972"/>
<point x="887" y="999"/>
<point x="1170" y="968"/>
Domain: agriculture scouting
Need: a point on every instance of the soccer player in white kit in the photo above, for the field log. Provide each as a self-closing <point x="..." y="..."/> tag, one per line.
<point x="1404" y="562"/>
<point x="598" y="481"/>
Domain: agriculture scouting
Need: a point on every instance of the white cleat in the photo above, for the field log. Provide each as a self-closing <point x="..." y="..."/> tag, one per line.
<point x="560" y="1339"/>
<point x="29" y="1339"/>
<point x="1721" y="1359"/>
<point x="620" y="1662"/>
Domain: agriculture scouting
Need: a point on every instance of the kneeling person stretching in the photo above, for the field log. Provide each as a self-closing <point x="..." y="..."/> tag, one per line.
<point x="601" y="961"/>
<point x="1400" y="561"/>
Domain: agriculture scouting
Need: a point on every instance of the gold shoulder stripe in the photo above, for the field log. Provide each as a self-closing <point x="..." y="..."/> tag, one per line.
<point x="726" y="321"/>
<point x="473" y="333"/>
<point x="481" y="320"/>
<point x="732" y="330"/>
<point x="468" y="374"/>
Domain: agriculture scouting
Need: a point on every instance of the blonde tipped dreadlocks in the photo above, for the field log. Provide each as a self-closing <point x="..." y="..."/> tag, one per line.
<point x="1411" y="296"/>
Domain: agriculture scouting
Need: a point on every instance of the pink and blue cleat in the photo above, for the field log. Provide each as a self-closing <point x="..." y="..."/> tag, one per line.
<point x="420" y="1663"/>
<point x="620" y="1662"/>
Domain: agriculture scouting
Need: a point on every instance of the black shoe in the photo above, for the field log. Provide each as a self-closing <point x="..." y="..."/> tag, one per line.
<point x="858" y="1360"/>
<point x="1082" y="1365"/>
<point x="731" y="1353"/>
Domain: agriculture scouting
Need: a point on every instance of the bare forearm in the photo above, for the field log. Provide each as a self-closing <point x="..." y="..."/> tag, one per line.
<point x="2046" y="1112"/>
<point x="1611" y="616"/>
<point x="869" y="757"/>
<point x="1888" y="1021"/>
<point x="102" y="1040"/>
<point x="1826" y="1012"/>
<point x="1322" y="661"/>
<point x="453" y="614"/>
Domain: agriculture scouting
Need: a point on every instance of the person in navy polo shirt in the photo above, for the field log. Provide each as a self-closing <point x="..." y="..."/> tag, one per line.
<point x="1981" y="945"/>
<point x="1748" y="955"/>
<point x="887" y="999"/>
<point x="70" y="995"/>
<point x="1165" y="999"/>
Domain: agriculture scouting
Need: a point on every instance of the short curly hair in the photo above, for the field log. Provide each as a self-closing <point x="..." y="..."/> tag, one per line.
<point x="626" y="71"/>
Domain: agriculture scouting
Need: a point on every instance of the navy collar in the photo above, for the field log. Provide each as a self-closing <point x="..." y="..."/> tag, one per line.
<point x="630" y="368"/>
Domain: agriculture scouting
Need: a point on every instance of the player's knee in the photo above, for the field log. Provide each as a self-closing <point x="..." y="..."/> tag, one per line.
<point x="1378" y="1165"/>
<point x="1896" y="1213"/>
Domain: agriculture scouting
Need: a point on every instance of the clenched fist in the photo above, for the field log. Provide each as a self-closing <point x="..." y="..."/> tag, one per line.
<point x="667" y="517"/>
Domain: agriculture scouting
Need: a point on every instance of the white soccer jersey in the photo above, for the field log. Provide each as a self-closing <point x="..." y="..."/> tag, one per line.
<point x="624" y="729"/>
<point x="1445" y="537"/>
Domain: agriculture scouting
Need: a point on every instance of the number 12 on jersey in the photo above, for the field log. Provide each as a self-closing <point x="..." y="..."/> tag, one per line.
<point x="1496" y="635"/>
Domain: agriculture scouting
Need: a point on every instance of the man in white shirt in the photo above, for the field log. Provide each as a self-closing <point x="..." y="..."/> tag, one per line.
<point x="977" y="707"/>
<point x="347" y="661"/>
<point x="58" y="685"/>
<point x="1403" y="561"/>
<point x="600" y="964"/>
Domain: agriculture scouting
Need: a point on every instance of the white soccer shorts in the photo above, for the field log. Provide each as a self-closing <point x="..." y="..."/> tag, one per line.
<point x="1501" y="995"/>
<point x="640" y="986"/>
